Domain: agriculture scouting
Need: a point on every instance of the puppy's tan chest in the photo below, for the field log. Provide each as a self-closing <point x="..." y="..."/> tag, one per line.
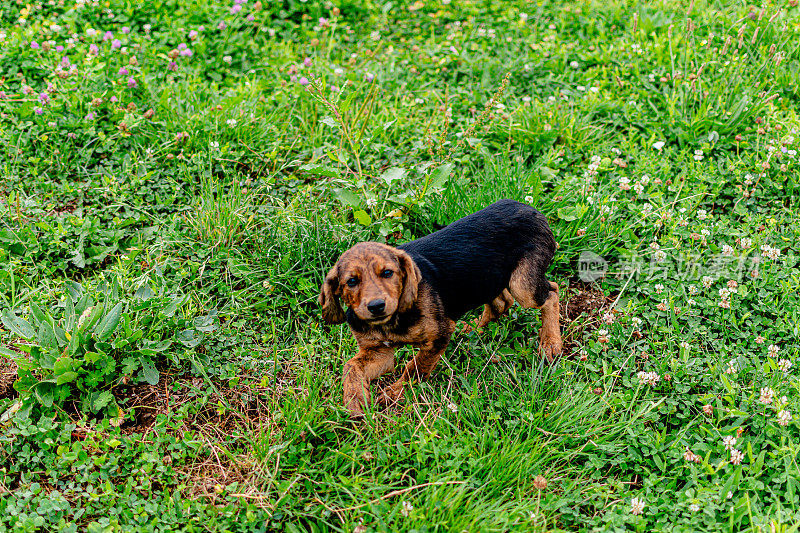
<point x="390" y="339"/>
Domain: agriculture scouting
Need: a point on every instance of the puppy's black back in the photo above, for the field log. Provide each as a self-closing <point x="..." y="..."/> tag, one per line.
<point x="470" y="262"/>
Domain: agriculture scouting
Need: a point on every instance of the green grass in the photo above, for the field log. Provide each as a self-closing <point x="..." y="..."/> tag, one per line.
<point x="166" y="222"/>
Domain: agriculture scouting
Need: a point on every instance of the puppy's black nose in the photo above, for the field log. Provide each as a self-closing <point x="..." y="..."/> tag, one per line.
<point x="376" y="307"/>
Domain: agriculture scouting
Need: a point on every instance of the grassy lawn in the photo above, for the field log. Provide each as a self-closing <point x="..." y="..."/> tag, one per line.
<point x="177" y="176"/>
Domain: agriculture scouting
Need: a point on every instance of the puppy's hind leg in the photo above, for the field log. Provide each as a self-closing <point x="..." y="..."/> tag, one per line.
<point x="530" y="288"/>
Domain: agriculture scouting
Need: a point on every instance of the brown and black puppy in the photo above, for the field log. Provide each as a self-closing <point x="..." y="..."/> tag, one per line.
<point x="413" y="294"/>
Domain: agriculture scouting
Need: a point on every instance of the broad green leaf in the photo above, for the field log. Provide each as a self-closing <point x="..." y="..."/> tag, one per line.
<point x="101" y="400"/>
<point x="189" y="338"/>
<point x="9" y="353"/>
<point x="66" y="377"/>
<point x="144" y="292"/>
<point x="17" y="325"/>
<point x="149" y="372"/>
<point x="157" y="346"/>
<point x="440" y="176"/>
<point x="69" y="313"/>
<point x="347" y="197"/>
<point x="63" y="364"/>
<point x="362" y="217"/>
<point x="172" y="307"/>
<point x="44" y="392"/>
<point x="74" y="289"/>
<point x="83" y="304"/>
<point x="330" y="121"/>
<point x="47" y="337"/>
<point x="40" y="315"/>
<point x="205" y="323"/>
<point x="572" y="212"/>
<point x="61" y="335"/>
<point x="393" y="174"/>
<point x="321" y="170"/>
<point x="109" y="323"/>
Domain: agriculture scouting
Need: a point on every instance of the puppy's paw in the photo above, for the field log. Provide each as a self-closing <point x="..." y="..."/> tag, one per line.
<point x="391" y="395"/>
<point x="354" y="402"/>
<point x="470" y="326"/>
<point x="550" y="345"/>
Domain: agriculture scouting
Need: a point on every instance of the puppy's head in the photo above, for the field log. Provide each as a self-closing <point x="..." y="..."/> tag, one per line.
<point x="374" y="280"/>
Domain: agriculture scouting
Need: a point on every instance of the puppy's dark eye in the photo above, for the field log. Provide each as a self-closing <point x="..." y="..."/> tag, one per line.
<point x="352" y="282"/>
<point x="387" y="273"/>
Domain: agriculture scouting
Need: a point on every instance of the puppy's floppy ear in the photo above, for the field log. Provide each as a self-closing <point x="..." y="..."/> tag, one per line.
<point x="332" y="311"/>
<point x="411" y="279"/>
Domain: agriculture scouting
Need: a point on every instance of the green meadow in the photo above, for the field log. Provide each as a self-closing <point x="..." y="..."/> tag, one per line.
<point x="177" y="176"/>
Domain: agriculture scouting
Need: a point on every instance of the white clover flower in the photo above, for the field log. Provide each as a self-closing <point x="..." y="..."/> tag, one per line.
<point x="660" y="255"/>
<point x="729" y="441"/>
<point x="727" y="250"/>
<point x="707" y="281"/>
<point x="231" y="122"/>
<point x="692" y="290"/>
<point x="766" y="395"/>
<point x="453" y="407"/>
<point x="745" y="243"/>
<point x="637" y="506"/>
<point x="773" y="350"/>
<point x="770" y="252"/>
<point x="690" y="456"/>
<point x="658" y="145"/>
<point x="702" y="214"/>
<point x="406" y="508"/>
<point x="649" y="378"/>
<point x="659" y="288"/>
<point x="784" y="417"/>
<point x="698" y="155"/>
<point x="736" y="457"/>
<point x="784" y="365"/>
<point x="636" y="321"/>
<point x="694" y="507"/>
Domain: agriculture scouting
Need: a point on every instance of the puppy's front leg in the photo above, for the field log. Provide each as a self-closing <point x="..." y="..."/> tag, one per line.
<point x="369" y="363"/>
<point x="418" y="368"/>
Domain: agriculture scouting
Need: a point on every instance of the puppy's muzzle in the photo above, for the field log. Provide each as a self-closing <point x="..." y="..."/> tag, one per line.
<point x="376" y="307"/>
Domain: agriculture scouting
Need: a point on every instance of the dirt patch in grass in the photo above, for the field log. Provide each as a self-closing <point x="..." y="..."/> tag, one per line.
<point x="214" y="407"/>
<point x="581" y="306"/>
<point x="8" y="375"/>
